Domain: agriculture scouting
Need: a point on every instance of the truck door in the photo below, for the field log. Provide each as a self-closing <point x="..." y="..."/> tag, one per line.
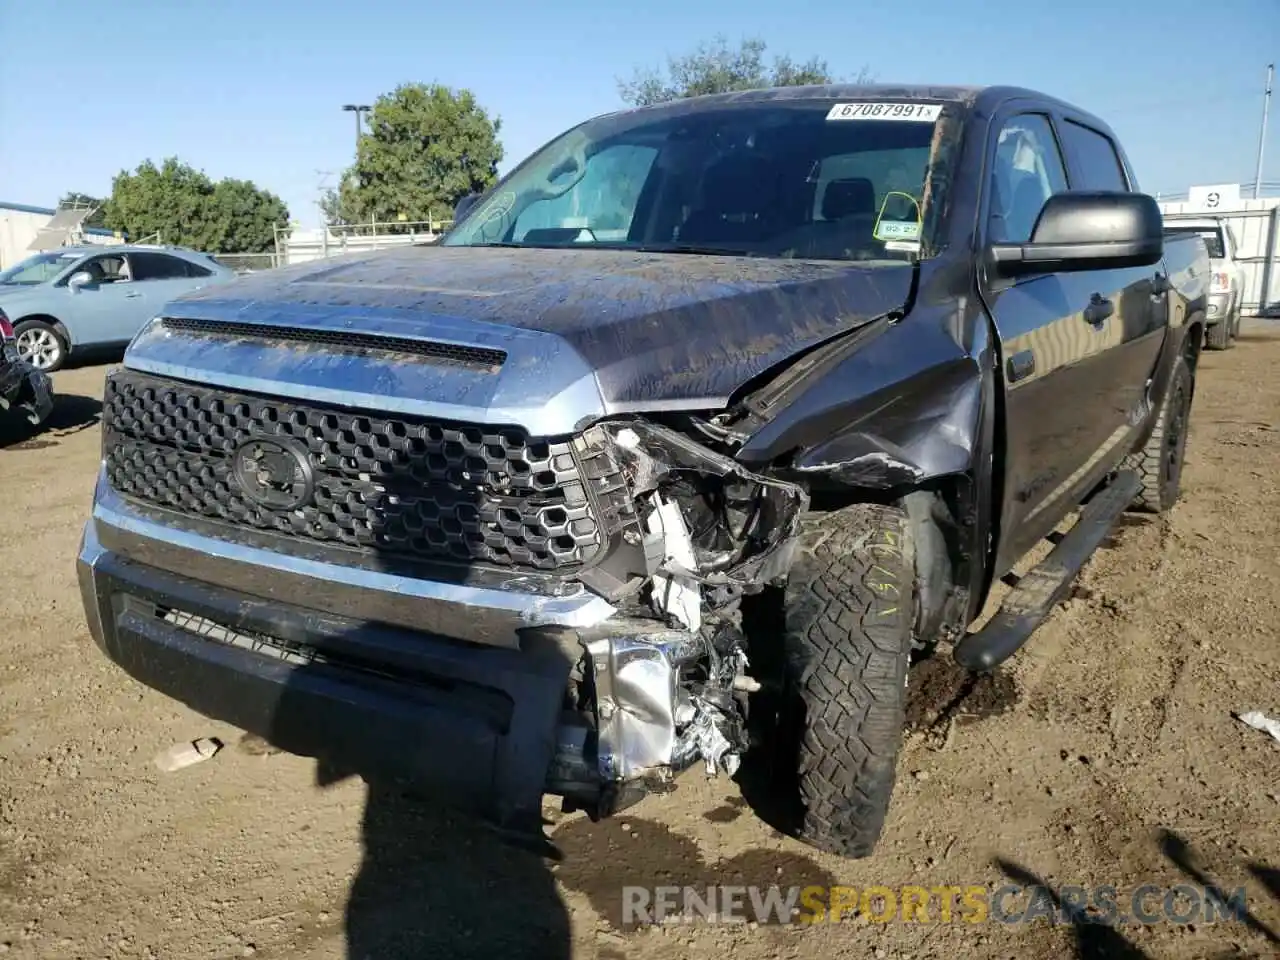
<point x="1136" y="330"/>
<point x="1068" y="397"/>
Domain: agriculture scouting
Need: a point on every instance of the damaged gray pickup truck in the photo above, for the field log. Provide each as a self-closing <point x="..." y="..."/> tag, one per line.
<point x="697" y="430"/>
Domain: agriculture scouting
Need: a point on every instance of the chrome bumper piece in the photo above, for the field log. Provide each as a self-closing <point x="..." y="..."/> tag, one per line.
<point x="486" y="615"/>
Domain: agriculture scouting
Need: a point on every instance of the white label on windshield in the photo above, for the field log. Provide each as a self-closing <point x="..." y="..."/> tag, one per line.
<point x="897" y="230"/>
<point x="922" y="112"/>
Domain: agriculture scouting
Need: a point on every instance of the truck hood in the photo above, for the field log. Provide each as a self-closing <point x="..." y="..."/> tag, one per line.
<point x="559" y="336"/>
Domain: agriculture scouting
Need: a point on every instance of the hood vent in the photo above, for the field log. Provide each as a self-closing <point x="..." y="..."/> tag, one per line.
<point x="344" y="342"/>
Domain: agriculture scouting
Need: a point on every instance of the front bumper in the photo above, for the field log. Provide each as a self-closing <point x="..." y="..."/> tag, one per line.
<point x="477" y="723"/>
<point x="1219" y="307"/>
<point x="352" y="665"/>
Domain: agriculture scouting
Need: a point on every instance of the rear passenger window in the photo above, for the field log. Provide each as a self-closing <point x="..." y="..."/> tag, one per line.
<point x="195" y="270"/>
<point x="156" y="266"/>
<point x="1094" y="161"/>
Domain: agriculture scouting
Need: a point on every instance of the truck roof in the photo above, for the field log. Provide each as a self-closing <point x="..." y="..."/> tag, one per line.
<point x="970" y="95"/>
<point x="985" y="98"/>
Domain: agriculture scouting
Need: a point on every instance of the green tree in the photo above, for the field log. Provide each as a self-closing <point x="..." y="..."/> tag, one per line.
<point x="182" y="205"/>
<point x="243" y="218"/>
<point x="83" y="200"/>
<point x="427" y="147"/>
<point x="716" y="67"/>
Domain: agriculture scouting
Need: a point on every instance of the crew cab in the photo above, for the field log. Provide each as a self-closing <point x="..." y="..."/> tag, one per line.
<point x="697" y="430"/>
<point x="1226" y="283"/>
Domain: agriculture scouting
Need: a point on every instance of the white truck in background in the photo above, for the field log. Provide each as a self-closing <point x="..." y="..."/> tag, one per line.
<point x="1226" y="285"/>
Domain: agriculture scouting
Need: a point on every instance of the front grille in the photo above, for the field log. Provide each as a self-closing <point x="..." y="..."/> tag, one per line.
<point x="405" y="487"/>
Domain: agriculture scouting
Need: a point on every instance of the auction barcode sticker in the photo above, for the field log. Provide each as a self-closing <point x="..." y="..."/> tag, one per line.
<point x="923" y="112"/>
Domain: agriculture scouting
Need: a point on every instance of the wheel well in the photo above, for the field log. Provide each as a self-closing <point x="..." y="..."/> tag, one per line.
<point x="1193" y="343"/>
<point x="58" y="327"/>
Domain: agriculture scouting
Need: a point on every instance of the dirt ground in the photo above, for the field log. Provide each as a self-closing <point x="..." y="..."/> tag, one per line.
<point x="1107" y="753"/>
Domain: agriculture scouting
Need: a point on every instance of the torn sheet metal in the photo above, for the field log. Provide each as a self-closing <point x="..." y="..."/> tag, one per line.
<point x="655" y="457"/>
<point x="676" y="594"/>
<point x="638" y="696"/>
<point x="651" y="720"/>
<point x="914" y="437"/>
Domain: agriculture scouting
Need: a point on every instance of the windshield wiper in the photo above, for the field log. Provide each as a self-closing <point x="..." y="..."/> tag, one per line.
<point x="693" y="248"/>
<point x="689" y="248"/>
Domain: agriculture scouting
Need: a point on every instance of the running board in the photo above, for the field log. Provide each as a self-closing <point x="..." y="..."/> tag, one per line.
<point x="1046" y="584"/>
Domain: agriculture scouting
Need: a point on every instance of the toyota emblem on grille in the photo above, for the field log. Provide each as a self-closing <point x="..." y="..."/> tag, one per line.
<point x="274" y="473"/>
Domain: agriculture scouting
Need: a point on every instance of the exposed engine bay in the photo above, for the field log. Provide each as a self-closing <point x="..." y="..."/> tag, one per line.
<point x="665" y="683"/>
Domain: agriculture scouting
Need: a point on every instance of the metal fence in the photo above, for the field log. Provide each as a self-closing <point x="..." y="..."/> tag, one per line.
<point x="248" y="262"/>
<point x="300" y="246"/>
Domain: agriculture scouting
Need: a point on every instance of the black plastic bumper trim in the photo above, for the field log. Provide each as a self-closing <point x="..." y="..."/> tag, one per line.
<point x="445" y="736"/>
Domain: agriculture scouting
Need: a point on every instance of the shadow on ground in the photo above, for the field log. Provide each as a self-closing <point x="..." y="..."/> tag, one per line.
<point x="1098" y="936"/>
<point x="437" y="884"/>
<point x="71" y="413"/>
<point x="434" y="880"/>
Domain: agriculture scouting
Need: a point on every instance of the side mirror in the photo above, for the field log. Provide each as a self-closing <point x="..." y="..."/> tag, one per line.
<point x="463" y="205"/>
<point x="1087" y="231"/>
<point x="79" y="279"/>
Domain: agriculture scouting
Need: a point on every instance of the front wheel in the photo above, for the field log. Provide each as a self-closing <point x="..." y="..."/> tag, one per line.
<point x="40" y="345"/>
<point x="849" y="612"/>
<point x="1218" y="337"/>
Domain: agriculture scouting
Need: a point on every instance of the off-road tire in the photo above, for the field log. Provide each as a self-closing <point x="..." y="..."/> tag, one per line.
<point x="848" y="615"/>
<point x="1218" y="337"/>
<point x="1159" y="463"/>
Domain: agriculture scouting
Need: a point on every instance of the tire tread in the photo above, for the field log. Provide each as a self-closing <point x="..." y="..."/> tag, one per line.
<point x="849" y="615"/>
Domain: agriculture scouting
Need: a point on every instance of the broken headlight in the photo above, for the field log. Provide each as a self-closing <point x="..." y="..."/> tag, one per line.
<point x="692" y="525"/>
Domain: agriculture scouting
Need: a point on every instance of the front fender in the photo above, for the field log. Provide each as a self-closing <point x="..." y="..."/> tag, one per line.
<point x="899" y="406"/>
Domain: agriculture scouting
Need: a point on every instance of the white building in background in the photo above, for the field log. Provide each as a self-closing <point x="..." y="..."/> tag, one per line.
<point x="21" y="235"/>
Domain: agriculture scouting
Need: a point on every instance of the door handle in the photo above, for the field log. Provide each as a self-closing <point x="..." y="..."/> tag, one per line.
<point x="1098" y="310"/>
<point x="132" y="296"/>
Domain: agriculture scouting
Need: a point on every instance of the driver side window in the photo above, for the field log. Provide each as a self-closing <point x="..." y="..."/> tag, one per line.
<point x="1027" y="171"/>
<point x="105" y="269"/>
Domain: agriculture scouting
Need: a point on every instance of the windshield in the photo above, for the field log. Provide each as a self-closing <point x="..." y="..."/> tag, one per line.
<point x="1212" y="237"/>
<point x="803" y="179"/>
<point x="38" y="269"/>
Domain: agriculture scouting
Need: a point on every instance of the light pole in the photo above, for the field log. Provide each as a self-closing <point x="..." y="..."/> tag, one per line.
<point x="357" y="109"/>
<point x="1262" y="136"/>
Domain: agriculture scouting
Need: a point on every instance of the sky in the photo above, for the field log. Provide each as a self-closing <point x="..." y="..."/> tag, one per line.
<point x="254" y="90"/>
